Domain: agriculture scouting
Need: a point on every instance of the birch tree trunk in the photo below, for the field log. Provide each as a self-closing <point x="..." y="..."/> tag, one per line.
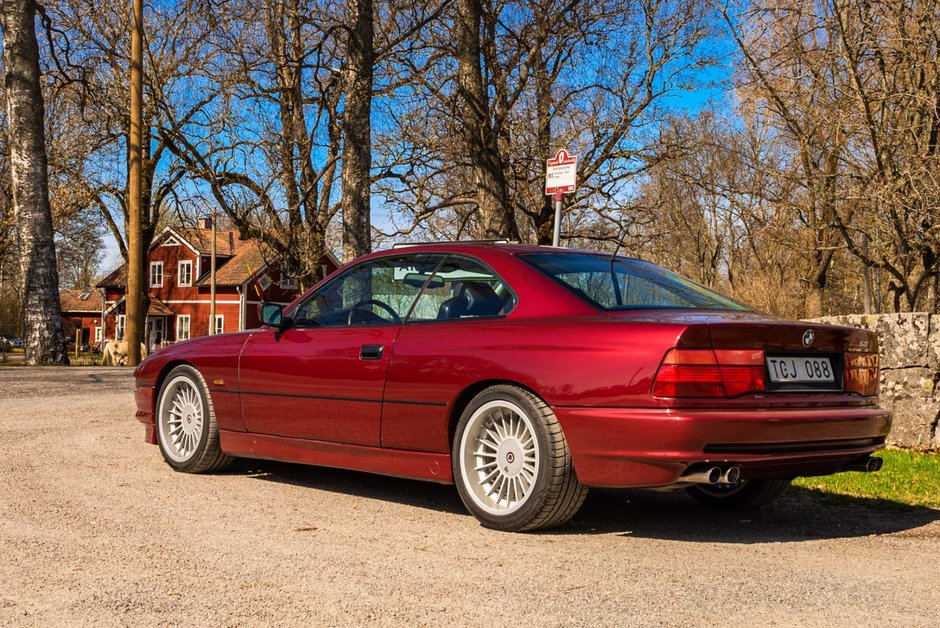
<point x="357" y="131"/>
<point x="29" y="174"/>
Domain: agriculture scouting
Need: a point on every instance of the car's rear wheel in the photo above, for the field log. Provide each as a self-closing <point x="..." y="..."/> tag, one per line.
<point x="511" y="462"/>
<point x="187" y="432"/>
<point x="741" y="494"/>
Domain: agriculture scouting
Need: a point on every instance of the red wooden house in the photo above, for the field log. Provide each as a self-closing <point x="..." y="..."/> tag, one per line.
<point x="177" y="281"/>
<point x="81" y="310"/>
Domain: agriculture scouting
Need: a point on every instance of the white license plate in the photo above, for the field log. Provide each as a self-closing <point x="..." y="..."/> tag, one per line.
<point x="799" y="370"/>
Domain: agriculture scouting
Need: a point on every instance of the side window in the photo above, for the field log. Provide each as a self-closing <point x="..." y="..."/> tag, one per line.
<point x="463" y="288"/>
<point x="378" y="292"/>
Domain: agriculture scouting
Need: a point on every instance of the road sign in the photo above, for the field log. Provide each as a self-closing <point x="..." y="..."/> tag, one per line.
<point x="561" y="173"/>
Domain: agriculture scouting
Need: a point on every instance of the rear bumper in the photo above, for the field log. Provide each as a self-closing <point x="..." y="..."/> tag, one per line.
<point x="143" y="397"/>
<point x="633" y="447"/>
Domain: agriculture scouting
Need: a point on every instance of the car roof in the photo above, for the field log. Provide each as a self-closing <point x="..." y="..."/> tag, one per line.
<point x="481" y="246"/>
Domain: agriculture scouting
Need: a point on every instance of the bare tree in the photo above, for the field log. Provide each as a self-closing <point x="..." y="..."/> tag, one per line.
<point x="29" y="174"/>
<point x="854" y="90"/>
<point x="535" y="76"/>
<point x="91" y="45"/>
<point x="479" y="130"/>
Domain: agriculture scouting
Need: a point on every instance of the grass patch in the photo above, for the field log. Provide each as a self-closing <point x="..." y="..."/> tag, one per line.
<point x="908" y="477"/>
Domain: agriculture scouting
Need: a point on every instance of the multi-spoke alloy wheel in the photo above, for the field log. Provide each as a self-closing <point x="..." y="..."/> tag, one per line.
<point x="511" y="462"/>
<point x="186" y="429"/>
<point x="183" y="422"/>
<point x="499" y="457"/>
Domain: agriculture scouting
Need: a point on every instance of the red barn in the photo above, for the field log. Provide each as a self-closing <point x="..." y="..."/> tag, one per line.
<point x="177" y="280"/>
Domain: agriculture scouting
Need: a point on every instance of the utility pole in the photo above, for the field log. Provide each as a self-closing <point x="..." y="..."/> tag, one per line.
<point x="212" y="280"/>
<point x="133" y="300"/>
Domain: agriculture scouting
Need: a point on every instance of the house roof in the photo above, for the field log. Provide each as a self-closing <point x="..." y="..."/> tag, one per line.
<point x="201" y="240"/>
<point x="80" y="301"/>
<point x="116" y="279"/>
<point x="247" y="260"/>
<point x="159" y="308"/>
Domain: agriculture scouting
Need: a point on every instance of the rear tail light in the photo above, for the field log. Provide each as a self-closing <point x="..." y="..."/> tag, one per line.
<point x="862" y="373"/>
<point x="710" y="373"/>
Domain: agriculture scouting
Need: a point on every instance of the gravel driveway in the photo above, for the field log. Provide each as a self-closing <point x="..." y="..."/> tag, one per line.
<point x="96" y="530"/>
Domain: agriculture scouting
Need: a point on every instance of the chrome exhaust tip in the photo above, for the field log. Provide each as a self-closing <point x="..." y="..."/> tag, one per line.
<point x="873" y="464"/>
<point x="867" y="465"/>
<point x="731" y="475"/>
<point x="710" y="475"/>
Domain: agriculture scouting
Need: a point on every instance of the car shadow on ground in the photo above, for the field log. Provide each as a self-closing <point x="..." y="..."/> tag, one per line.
<point x="440" y="497"/>
<point x="799" y="515"/>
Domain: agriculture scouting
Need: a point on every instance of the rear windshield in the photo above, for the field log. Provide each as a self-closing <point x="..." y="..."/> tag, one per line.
<point x="625" y="284"/>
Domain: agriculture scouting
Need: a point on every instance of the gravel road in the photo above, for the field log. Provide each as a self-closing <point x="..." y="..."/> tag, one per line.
<point x="96" y="530"/>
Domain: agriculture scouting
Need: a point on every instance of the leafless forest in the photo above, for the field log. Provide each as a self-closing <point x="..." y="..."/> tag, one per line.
<point x="784" y="152"/>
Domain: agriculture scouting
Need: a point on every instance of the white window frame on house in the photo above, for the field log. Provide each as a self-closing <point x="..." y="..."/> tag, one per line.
<point x="120" y="327"/>
<point x="219" y="324"/>
<point x="179" y="327"/>
<point x="182" y="281"/>
<point x="154" y="276"/>
<point x="288" y="283"/>
<point x="97" y="333"/>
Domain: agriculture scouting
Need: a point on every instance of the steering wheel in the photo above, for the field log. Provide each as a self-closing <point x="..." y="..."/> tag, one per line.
<point x="380" y="304"/>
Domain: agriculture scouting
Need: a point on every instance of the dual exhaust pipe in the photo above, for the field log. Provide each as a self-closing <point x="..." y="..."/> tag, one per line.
<point x="712" y="475"/>
<point x="731" y="475"/>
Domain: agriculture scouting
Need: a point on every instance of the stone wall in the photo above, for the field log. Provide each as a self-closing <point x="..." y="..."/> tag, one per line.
<point x="910" y="371"/>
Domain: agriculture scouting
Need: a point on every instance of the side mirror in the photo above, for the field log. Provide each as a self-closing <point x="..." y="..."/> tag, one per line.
<point x="271" y="314"/>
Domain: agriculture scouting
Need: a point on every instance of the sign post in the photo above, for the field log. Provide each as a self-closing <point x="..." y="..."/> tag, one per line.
<point x="561" y="173"/>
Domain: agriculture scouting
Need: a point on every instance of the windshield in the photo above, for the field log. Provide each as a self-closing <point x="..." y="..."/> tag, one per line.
<point x="626" y="284"/>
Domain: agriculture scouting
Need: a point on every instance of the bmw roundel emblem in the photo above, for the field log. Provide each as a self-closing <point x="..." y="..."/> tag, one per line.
<point x="808" y="337"/>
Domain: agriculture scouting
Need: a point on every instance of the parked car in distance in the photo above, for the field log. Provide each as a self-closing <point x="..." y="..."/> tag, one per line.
<point x="525" y="375"/>
<point x="18" y="343"/>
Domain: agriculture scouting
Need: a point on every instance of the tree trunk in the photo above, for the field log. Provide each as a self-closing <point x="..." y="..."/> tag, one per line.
<point x="357" y="132"/>
<point x="29" y="173"/>
<point x="545" y="220"/>
<point x="481" y="139"/>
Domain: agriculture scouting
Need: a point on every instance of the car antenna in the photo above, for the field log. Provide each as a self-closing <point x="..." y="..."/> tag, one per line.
<point x="613" y="258"/>
<point x="620" y="235"/>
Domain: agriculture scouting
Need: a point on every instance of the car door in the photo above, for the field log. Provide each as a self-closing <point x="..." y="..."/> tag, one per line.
<point x="446" y="343"/>
<point x="323" y="376"/>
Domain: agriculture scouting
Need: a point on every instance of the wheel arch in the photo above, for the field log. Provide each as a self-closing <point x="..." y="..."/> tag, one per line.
<point x="465" y="396"/>
<point x="161" y="377"/>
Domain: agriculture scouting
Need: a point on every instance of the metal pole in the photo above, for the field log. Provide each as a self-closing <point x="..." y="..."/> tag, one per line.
<point x="133" y="302"/>
<point x="212" y="281"/>
<point x="556" y="236"/>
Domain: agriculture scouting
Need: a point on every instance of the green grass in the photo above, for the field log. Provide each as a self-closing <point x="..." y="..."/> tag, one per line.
<point x="908" y="478"/>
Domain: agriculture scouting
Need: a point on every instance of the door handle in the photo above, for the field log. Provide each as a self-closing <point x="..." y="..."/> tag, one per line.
<point x="371" y="352"/>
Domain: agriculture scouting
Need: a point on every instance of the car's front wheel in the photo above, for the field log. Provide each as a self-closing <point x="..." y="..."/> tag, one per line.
<point x="741" y="494"/>
<point x="511" y="462"/>
<point x="187" y="432"/>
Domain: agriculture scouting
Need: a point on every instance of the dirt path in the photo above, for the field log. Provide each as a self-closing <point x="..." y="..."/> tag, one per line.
<point x="96" y="530"/>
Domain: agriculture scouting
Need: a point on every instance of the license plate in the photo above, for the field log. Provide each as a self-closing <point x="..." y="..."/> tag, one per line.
<point x="799" y="370"/>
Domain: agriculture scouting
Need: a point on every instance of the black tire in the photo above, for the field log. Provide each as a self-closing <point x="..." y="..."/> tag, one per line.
<point x="188" y="434"/>
<point x="740" y="495"/>
<point x="509" y="427"/>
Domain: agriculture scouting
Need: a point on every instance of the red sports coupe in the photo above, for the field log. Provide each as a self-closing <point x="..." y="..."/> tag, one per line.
<point x="524" y="375"/>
